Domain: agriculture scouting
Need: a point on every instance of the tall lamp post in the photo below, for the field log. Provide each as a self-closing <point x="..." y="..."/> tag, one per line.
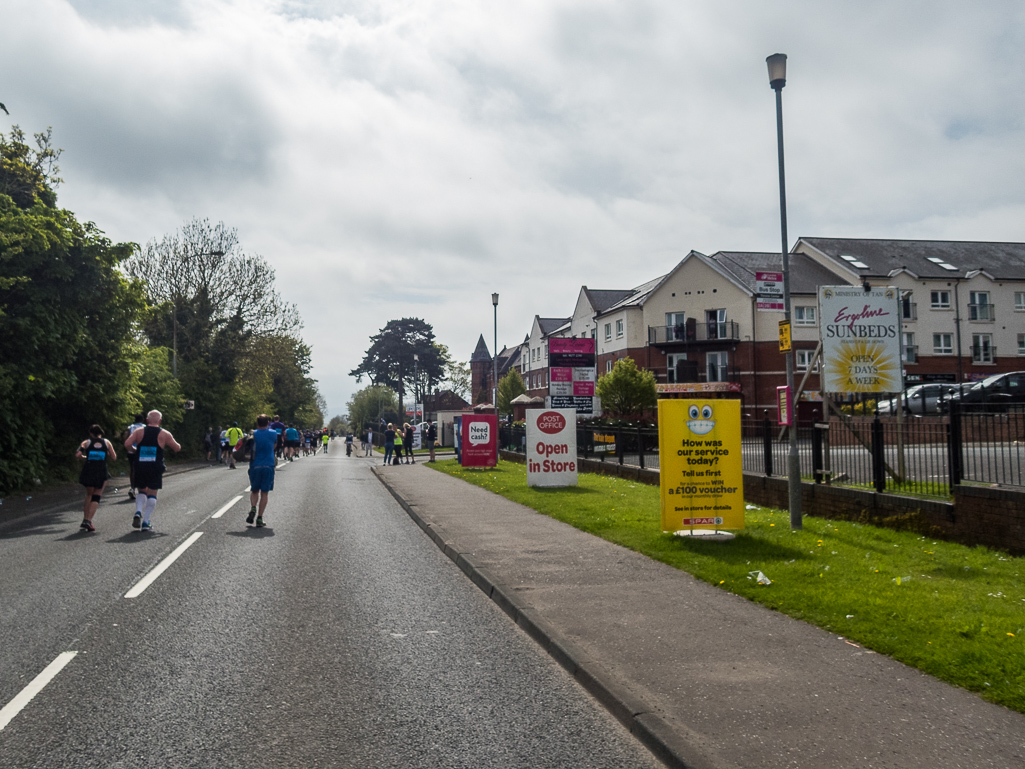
<point x="777" y="79"/>
<point x="174" y="317"/>
<point x="416" y="382"/>
<point x="494" y="360"/>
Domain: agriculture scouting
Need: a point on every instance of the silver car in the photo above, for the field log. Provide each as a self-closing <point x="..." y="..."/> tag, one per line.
<point x="921" y="399"/>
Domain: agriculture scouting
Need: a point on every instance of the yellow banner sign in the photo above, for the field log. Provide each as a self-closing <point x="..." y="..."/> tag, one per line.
<point x="784" y="336"/>
<point x="699" y="455"/>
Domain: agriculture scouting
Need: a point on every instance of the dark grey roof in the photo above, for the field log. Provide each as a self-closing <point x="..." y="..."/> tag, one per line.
<point x="508" y="359"/>
<point x="634" y="296"/>
<point x="481" y="353"/>
<point x="885" y="257"/>
<point x="548" y="325"/>
<point x="602" y="299"/>
<point x="806" y="275"/>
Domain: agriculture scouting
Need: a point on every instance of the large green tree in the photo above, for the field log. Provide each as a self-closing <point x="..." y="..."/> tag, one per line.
<point x="372" y="404"/>
<point x="626" y="391"/>
<point x="390" y="360"/>
<point x="67" y="322"/>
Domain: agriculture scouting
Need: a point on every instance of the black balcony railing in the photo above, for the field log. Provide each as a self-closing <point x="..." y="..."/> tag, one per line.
<point x="981" y="312"/>
<point x="693" y="332"/>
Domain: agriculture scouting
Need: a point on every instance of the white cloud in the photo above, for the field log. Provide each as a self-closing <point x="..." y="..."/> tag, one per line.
<point x="408" y="158"/>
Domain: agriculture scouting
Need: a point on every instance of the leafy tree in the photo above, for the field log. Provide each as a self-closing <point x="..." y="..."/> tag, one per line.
<point x="157" y="388"/>
<point x="511" y="386"/>
<point x="626" y="390"/>
<point x="372" y="404"/>
<point x="390" y="362"/>
<point x="28" y="174"/>
<point x="339" y="423"/>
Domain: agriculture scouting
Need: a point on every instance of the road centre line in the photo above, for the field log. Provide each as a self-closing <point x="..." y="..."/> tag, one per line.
<point x="26" y="695"/>
<point x="161" y="567"/>
<point x="226" y="508"/>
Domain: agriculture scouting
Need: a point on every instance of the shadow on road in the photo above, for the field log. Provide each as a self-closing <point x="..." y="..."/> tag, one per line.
<point x="251" y="532"/>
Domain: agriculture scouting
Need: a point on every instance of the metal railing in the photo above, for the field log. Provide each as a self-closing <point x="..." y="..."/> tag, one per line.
<point x="696" y="332"/>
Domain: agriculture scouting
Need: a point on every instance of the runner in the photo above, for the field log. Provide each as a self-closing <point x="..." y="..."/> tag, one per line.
<point x="94" y="475"/>
<point x="324" y="439"/>
<point x="348" y="445"/>
<point x="235" y="436"/>
<point x="150" y="441"/>
<point x="279" y="427"/>
<point x="140" y="421"/>
<point x="261" y="469"/>
<point x="291" y="443"/>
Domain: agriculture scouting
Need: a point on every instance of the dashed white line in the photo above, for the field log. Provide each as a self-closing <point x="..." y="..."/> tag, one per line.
<point x="226" y="508"/>
<point x="161" y="567"/>
<point x="25" y="696"/>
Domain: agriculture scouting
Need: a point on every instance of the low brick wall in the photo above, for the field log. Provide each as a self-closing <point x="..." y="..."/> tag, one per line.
<point x="977" y="516"/>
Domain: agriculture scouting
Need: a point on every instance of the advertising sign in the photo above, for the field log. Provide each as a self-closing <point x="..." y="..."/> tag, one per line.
<point x="784" y="336"/>
<point x="551" y="447"/>
<point x="698" y="387"/>
<point x="699" y="451"/>
<point x="784" y="406"/>
<point x="582" y="404"/>
<point x="604" y="443"/>
<point x="571" y="353"/>
<point x="769" y="284"/>
<point x="479" y="441"/>
<point x="860" y="339"/>
<point x="770" y="305"/>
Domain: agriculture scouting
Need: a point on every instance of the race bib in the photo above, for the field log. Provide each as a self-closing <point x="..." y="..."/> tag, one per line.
<point x="97" y="456"/>
<point x="147" y="453"/>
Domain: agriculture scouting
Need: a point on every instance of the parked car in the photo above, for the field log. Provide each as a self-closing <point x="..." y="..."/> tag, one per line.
<point x="999" y="392"/>
<point x="921" y="399"/>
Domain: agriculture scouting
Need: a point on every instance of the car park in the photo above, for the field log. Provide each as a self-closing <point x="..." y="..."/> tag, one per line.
<point x="1000" y="392"/>
<point x="927" y="398"/>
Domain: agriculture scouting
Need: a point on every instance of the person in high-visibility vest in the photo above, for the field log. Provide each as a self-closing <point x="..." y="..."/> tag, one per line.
<point x="235" y="436"/>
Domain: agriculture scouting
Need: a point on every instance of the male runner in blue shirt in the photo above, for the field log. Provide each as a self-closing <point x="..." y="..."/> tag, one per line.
<point x="261" y="468"/>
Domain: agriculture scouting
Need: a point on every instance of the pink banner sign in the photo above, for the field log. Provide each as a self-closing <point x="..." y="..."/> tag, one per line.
<point x="479" y="444"/>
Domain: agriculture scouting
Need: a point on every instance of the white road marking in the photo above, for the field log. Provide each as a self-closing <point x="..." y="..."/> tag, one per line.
<point x="161" y="567"/>
<point x="25" y="696"/>
<point x="226" y="508"/>
<point x="281" y="465"/>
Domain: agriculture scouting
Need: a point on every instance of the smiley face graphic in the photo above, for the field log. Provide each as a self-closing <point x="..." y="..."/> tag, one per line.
<point x="700" y="422"/>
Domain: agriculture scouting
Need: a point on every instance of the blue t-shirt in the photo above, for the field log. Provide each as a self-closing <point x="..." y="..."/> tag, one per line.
<point x="291" y="434"/>
<point x="264" y="442"/>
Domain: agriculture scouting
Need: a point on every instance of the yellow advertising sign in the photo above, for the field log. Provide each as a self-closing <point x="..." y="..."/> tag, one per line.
<point x="699" y="454"/>
<point x="784" y="336"/>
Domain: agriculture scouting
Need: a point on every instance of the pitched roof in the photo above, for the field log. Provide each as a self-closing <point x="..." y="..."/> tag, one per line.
<point x="481" y="353"/>
<point x="806" y="275"/>
<point x="634" y="297"/>
<point x="548" y="325"/>
<point x="923" y="258"/>
<point x="602" y="299"/>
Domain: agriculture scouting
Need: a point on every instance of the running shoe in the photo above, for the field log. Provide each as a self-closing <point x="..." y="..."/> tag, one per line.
<point x="131" y="493"/>
<point x="146" y="527"/>
<point x="259" y="522"/>
<point x="88" y="526"/>
<point x="136" y="520"/>
<point x="252" y="515"/>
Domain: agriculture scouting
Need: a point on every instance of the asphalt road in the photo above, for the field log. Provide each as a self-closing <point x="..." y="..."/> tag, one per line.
<point x="338" y="636"/>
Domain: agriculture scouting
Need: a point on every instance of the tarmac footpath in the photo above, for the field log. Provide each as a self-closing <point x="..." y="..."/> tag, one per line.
<point x="704" y="678"/>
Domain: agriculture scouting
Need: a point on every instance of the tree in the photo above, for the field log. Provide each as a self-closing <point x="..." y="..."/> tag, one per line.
<point x="626" y="391"/>
<point x="390" y="362"/>
<point x="28" y="174"/>
<point x="511" y="386"/>
<point x="372" y="404"/>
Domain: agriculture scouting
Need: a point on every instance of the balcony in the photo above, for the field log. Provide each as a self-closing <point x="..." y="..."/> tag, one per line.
<point x="983" y="312"/>
<point x="696" y="333"/>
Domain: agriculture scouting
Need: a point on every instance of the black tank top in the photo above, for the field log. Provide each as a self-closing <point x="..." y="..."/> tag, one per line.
<point x="149" y="450"/>
<point x="96" y="455"/>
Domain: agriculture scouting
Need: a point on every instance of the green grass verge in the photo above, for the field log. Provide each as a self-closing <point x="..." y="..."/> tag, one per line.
<point x="955" y="612"/>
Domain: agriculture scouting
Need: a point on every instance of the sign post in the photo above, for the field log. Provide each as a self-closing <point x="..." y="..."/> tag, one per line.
<point x="702" y="478"/>
<point x="551" y="447"/>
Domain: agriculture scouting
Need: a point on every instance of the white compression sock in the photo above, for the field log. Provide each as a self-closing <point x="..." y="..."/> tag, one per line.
<point x="140" y="502"/>
<point x="151" y="503"/>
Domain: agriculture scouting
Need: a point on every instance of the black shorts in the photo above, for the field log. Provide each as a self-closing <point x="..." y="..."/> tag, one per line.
<point x="291" y="444"/>
<point x="93" y="478"/>
<point x="149" y="475"/>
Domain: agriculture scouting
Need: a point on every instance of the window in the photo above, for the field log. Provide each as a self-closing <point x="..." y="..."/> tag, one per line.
<point x="717" y="367"/>
<point x="608" y="332"/>
<point x="608" y="366"/>
<point x="939" y="300"/>
<point x="804" y="316"/>
<point x="943" y="344"/>
<point x="672" y="364"/>
<point x="676" y="326"/>
<point x="619" y="329"/>
<point x="910" y="350"/>
<point x="546" y="352"/>
<point x="908" y="309"/>
<point x="982" y="348"/>
<point x="594" y="333"/>
<point x="1019" y="301"/>
<point x="803" y="358"/>
<point x="1021" y="344"/>
<point x="979" y="307"/>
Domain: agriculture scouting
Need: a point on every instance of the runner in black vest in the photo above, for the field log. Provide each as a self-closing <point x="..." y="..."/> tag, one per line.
<point x="95" y="450"/>
<point x="150" y="442"/>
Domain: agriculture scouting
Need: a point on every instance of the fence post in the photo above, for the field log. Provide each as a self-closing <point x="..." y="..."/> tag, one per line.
<point x="878" y="456"/>
<point x="640" y="447"/>
<point x="619" y="444"/>
<point x="954" y="462"/>
<point x="816" y="451"/>
<point x="767" y="443"/>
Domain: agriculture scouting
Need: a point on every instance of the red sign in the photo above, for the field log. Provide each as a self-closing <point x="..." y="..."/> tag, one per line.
<point x="551" y="422"/>
<point x="479" y="444"/>
<point x="561" y="374"/>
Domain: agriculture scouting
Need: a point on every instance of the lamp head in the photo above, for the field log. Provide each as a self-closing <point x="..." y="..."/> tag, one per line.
<point x="777" y="70"/>
<point x="494" y="299"/>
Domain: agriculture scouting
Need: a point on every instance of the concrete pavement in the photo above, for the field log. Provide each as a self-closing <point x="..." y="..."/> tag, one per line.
<point x="702" y="677"/>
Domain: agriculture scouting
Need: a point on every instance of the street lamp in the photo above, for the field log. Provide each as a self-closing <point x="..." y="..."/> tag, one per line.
<point x="494" y="360"/>
<point x="416" y="381"/>
<point x="777" y="79"/>
<point x="174" y="317"/>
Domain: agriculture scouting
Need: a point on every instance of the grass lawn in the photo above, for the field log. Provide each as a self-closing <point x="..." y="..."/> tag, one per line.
<point x="955" y="612"/>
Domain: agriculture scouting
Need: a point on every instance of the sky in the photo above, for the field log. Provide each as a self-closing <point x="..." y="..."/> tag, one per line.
<point x="407" y="158"/>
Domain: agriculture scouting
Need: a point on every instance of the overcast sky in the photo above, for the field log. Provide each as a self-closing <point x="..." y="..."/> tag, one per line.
<point x="409" y="157"/>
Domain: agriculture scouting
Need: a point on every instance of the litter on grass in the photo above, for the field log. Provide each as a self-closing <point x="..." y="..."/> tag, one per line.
<point x="753" y="507"/>
<point x="901" y="580"/>
<point x="758" y="577"/>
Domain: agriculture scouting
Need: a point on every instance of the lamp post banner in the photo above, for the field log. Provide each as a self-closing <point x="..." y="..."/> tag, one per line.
<point x="861" y="333"/>
<point x="702" y="479"/>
